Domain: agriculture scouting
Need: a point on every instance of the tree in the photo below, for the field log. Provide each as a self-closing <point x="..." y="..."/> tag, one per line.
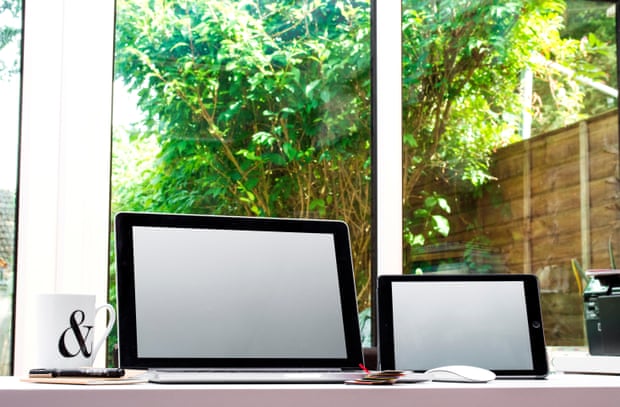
<point x="258" y="107"/>
<point x="263" y="107"/>
<point x="10" y="33"/>
<point x="588" y="50"/>
<point x="462" y="67"/>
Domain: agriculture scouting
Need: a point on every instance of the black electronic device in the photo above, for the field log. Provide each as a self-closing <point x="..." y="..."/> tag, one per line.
<point x="601" y="308"/>
<point x="491" y="321"/>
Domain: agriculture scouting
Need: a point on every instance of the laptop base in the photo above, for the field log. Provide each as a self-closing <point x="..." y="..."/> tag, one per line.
<point x="249" y="377"/>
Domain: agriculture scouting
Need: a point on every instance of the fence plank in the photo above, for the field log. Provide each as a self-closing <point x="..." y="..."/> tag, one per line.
<point x="584" y="188"/>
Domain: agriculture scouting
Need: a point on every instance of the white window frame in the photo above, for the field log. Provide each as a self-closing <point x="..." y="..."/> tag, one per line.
<point x="389" y="142"/>
<point x="64" y="157"/>
<point x="64" y="185"/>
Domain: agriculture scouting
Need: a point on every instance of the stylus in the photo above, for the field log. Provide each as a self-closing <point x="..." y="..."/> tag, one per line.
<point x="85" y="372"/>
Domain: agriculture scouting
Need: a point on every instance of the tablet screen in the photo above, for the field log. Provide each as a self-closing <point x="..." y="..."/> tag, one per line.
<point x="486" y="321"/>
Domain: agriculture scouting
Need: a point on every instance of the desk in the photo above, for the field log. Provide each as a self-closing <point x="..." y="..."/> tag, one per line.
<point x="560" y="390"/>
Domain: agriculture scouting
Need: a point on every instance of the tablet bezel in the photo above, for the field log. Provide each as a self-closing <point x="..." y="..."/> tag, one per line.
<point x="540" y="367"/>
<point x="128" y="344"/>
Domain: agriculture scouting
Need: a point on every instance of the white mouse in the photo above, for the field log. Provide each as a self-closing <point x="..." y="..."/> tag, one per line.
<point x="460" y="373"/>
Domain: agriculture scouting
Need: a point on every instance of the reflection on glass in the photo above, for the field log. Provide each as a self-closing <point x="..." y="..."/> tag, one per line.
<point x="245" y="108"/>
<point x="10" y="51"/>
<point x="504" y="104"/>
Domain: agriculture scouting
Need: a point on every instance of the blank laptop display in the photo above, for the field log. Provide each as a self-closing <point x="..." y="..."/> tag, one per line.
<point x="199" y="292"/>
<point x="488" y="321"/>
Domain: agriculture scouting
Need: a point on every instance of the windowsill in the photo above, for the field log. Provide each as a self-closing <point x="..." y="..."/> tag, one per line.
<point x="557" y="389"/>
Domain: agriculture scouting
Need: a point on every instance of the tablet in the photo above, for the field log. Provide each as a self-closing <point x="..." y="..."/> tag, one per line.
<point x="491" y="321"/>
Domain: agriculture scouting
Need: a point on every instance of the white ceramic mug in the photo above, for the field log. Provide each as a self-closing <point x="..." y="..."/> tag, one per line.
<point x="65" y="325"/>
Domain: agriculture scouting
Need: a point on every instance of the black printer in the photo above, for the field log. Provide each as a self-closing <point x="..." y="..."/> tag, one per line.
<point x="601" y="308"/>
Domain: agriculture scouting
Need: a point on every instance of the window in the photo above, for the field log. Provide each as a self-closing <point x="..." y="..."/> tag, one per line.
<point x="506" y="107"/>
<point x="65" y="153"/>
<point x="10" y="53"/>
<point x="256" y="109"/>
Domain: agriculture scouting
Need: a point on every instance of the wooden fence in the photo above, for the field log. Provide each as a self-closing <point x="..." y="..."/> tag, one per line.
<point x="556" y="198"/>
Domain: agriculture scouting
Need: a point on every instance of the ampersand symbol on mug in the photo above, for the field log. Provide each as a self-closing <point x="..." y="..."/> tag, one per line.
<point x="77" y="330"/>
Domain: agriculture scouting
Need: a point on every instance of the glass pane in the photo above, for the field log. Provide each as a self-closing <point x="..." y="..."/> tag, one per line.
<point x="510" y="142"/>
<point x="257" y="108"/>
<point x="10" y="52"/>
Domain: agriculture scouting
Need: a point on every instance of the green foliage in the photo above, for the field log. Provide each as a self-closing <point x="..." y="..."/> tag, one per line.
<point x="257" y="108"/>
<point x="430" y="220"/>
<point x="583" y="45"/>
<point x="263" y="107"/>
<point x="462" y="67"/>
<point x="459" y="60"/>
<point x="10" y="34"/>
<point x="365" y="323"/>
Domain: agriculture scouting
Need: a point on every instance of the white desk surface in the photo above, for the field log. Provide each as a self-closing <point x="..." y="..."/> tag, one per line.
<point x="560" y="390"/>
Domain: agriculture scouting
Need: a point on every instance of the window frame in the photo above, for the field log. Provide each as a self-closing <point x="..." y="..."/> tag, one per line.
<point x="65" y="148"/>
<point x="64" y="164"/>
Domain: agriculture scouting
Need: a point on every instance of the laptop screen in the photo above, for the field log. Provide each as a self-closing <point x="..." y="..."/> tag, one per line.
<point x="208" y="291"/>
<point x="240" y="293"/>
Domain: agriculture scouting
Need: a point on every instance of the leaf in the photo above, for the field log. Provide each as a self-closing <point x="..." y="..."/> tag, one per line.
<point x="287" y="110"/>
<point x="251" y="183"/>
<point x="311" y="86"/>
<point x="295" y="73"/>
<point x="441" y="225"/>
<point x="275" y="159"/>
<point x="430" y="202"/>
<point x="421" y="213"/>
<point x="250" y="155"/>
<point x="318" y="204"/>
<point x="443" y="204"/>
<point x="263" y="137"/>
<point x="418" y="240"/>
<point x="289" y="151"/>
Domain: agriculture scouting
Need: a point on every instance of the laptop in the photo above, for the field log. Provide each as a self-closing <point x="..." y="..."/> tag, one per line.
<point x="491" y="321"/>
<point x="225" y="299"/>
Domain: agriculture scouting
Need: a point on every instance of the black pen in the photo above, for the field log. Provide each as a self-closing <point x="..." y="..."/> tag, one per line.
<point x="84" y="372"/>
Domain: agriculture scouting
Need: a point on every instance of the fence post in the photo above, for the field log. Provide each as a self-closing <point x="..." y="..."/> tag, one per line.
<point x="584" y="191"/>
<point x="527" y="207"/>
